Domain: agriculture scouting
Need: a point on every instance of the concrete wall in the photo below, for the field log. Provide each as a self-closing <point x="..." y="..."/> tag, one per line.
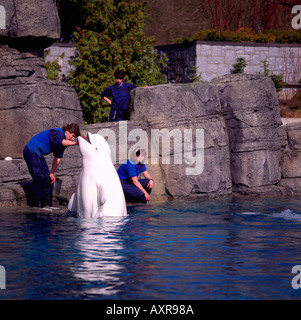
<point x="214" y="59"/>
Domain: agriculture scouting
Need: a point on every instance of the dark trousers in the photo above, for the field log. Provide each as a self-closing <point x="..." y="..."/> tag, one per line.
<point x="132" y="193"/>
<point x="118" y="115"/>
<point x="38" y="169"/>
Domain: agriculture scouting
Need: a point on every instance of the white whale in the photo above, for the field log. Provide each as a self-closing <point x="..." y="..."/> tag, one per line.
<point x="99" y="192"/>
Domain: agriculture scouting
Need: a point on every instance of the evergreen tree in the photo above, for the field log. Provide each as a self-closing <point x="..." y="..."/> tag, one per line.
<point x="112" y="39"/>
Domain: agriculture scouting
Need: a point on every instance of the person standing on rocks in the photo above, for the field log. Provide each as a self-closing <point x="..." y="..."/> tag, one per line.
<point x="119" y="94"/>
<point x="49" y="141"/>
<point x="135" y="190"/>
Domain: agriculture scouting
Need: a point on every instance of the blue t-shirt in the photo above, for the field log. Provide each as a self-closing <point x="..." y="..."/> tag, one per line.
<point x="48" y="141"/>
<point x="120" y="95"/>
<point x="129" y="170"/>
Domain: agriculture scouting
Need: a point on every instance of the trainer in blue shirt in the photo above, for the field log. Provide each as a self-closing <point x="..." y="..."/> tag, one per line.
<point x="135" y="190"/>
<point x="49" y="141"/>
<point x="119" y="92"/>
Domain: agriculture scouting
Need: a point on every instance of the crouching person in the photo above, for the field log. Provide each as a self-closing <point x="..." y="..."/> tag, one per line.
<point x="135" y="190"/>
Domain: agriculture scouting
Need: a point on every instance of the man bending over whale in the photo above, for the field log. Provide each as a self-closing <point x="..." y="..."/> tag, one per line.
<point x="49" y="141"/>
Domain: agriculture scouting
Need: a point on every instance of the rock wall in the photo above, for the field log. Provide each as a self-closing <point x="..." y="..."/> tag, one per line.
<point x="29" y="103"/>
<point x="250" y="109"/>
<point x="291" y="158"/>
<point x="203" y="140"/>
<point x="30" y="23"/>
<point x="195" y="108"/>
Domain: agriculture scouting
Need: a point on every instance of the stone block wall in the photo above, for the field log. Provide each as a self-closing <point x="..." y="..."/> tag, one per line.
<point x="214" y="59"/>
<point x="63" y="53"/>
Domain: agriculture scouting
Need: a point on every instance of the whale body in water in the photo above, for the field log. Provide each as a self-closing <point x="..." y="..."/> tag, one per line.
<point x="99" y="192"/>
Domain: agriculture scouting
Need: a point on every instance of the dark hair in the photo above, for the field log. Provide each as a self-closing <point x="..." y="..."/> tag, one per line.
<point x="140" y="151"/>
<point x="72" y="128"/>
<point x="119" y="74"/>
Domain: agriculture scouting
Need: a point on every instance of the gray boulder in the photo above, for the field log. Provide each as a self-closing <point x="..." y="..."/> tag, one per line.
<point x="28" y="107"/>
<point x="250" y="107"/>
<point x="188" y="138"/>
<point x="30" y="23"/>
<point x="29" y="102"/>
<point x="242" y="143"/>
<point x="291" y="159"/>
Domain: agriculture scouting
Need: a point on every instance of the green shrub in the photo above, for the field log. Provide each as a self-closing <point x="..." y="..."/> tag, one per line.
<point x="52" y="67"/>
<point x="195" y="76"/>
<point x="239" y="66"/>
<point x="276" y="78"/>
<point x="245" y="34"/>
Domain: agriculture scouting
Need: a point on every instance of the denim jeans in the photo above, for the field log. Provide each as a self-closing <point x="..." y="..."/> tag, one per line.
<point x="38" y="169"/>
<point x="118" y="115"/>
<point x="132" y="193"/>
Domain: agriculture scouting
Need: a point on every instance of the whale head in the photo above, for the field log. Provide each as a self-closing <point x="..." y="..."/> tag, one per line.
<point x="93" y="145"/>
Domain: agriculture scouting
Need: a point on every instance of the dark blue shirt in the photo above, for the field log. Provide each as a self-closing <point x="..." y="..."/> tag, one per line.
<point x="48" y="141"/>
<point x="129" y="170"/>
<point x="120" y="95"/>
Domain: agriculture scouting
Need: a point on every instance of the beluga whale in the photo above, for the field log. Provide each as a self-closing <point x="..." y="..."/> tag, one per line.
<point x="99" y="192"/>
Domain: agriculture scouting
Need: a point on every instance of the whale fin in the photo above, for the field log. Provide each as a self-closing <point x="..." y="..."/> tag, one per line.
<point x="101" y="196"/>
<point x="72" y="205"/>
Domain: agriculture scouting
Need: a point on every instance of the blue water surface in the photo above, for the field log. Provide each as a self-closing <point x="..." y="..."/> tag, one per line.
<point x="229" y="248"/>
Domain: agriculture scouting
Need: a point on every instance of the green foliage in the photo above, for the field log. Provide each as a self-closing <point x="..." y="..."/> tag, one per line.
<point x="265" y="65"/>
<point x="195" y="77"/>
<point x="276" y="78"/>
<point x="239" y="66"/>
<point x="53" y="68"/>
<point x="245" y="34"/>
<point x="278" y="81"/>
<point x="112" y="39"/>
<point x="277" y="36"/>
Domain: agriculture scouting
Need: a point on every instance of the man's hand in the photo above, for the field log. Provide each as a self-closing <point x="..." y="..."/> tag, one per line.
<point x="150" y="184"/>
<point x="147" y="196"/>
<point x="52" y="177"/>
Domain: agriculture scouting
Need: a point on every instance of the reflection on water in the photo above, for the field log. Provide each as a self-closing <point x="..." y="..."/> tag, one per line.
<point x="214" y="249"/>
<point x="100" y="246"/>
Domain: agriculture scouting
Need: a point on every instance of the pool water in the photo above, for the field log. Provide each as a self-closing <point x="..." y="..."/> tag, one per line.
<point x="230" y="248"/>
